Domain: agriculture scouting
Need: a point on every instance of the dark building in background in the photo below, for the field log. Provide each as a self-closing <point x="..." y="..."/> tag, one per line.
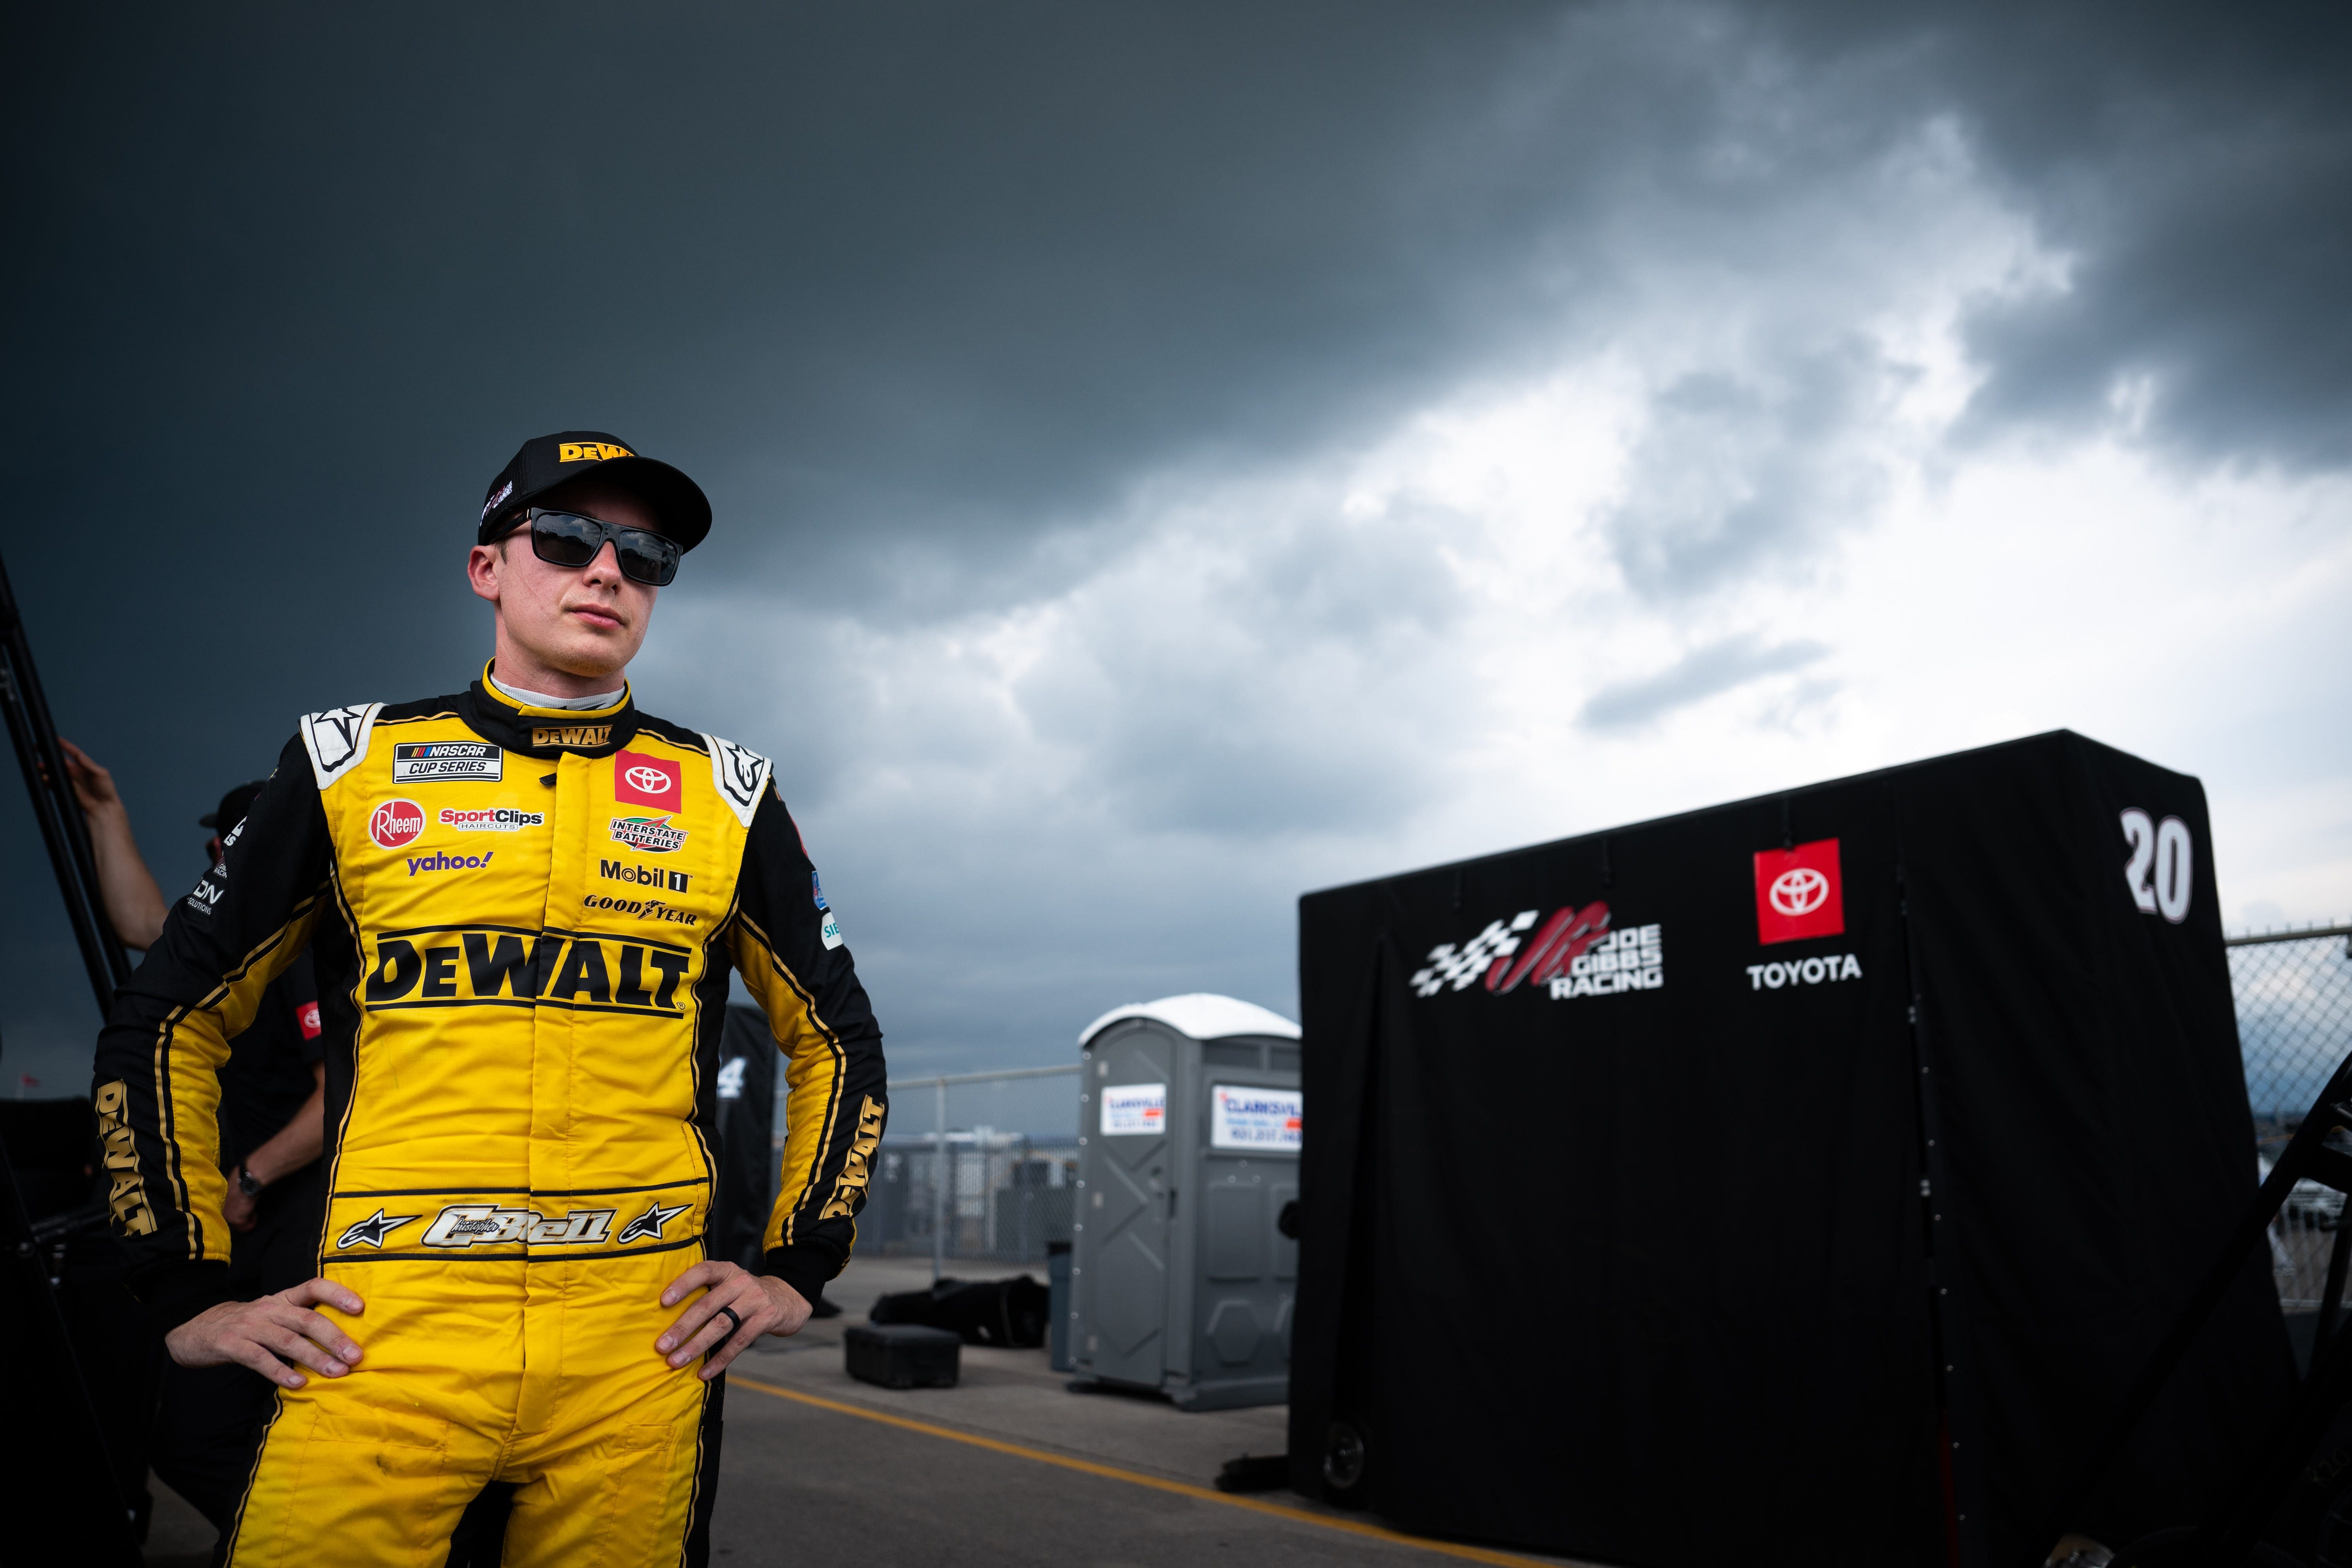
<point x="1800" y="1180"/>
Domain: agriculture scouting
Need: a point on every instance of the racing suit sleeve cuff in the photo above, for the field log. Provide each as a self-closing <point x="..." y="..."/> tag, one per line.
<point x="191" y="1288"/>
<point x="804" y="1267"/>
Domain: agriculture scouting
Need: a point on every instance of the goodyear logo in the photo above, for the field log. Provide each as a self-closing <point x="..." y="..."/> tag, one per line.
<point x="126" y="1198"/>
<point x="459" y="966"/>
<point x="583" y="735"/>
<point x="590" y="451"/>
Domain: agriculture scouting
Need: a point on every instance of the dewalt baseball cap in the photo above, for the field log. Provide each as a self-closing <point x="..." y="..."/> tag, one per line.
<point x="547" y="461"/>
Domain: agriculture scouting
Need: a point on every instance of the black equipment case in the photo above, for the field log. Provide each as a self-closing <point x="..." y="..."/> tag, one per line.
<point x="1845" y="1151"/>
<point x="902" y="1356"/>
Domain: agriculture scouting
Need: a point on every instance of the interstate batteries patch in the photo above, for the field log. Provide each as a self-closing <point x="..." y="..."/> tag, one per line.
<point x="430" y="762"/>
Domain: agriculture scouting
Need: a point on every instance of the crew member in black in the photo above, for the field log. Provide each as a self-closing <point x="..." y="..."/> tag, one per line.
<point x="272" y="1126"/>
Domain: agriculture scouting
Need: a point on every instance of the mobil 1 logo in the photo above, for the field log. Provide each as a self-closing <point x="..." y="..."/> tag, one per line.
<point x="660" y="878"/>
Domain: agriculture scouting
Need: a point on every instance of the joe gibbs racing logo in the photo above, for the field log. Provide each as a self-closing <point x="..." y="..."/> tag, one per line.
<point x="1574" y="954"/>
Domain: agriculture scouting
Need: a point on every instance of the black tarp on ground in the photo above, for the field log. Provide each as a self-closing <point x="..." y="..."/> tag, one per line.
<point x="1636" y="1263"/>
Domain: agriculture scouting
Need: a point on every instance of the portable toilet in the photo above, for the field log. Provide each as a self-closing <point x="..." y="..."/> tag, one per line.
<point x="1189" y="1132"/>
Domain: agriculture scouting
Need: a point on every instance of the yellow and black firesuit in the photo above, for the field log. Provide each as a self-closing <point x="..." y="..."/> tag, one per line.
<point x="523" y="919"/>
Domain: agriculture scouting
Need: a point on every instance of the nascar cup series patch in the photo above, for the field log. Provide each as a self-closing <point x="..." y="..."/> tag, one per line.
<point x="431" y="761"/>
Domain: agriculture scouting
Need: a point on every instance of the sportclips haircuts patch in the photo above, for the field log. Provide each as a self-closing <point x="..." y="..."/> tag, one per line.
<point x="1574" y="954"/>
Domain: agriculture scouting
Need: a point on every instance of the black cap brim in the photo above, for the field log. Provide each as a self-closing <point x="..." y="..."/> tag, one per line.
<point x="679" y="508"/>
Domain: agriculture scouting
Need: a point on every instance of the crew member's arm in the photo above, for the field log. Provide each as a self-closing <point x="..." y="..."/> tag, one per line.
<point x="158" y="1087"/>
<point x="135" y="904"/>
<point x="304" y="1136"/>
<point x="294" y="1145"/>
<point x="789" y="953"/>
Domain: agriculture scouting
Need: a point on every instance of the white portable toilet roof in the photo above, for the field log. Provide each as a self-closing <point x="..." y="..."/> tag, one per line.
<point x="1204" y="1015"/>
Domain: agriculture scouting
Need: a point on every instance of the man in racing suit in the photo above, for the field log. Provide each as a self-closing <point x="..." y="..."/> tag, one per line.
<point x="523" y="900"/>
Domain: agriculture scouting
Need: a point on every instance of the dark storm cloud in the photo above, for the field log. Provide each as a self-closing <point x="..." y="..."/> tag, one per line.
<point x="2196" y="164"/>
<point x="898" y="281"/>
<point x="942" y="272"/>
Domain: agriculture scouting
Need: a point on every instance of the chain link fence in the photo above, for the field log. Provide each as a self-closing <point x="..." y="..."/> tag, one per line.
<point x="954" y="1180"/>
<point x="2294" y="1026"/>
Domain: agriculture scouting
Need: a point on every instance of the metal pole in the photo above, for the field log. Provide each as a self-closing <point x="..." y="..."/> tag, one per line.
<point x="55" y="808"/>
<point x="940" y="1178"/>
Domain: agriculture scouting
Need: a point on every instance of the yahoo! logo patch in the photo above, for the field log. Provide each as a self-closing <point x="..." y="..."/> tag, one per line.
<point x="443" y="861"/>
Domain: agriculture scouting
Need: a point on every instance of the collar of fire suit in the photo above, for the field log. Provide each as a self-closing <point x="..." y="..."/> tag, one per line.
<point x="517" y="694"/>
<point x="504" y="718"/>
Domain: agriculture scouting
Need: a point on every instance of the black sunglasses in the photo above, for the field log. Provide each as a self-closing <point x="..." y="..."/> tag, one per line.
<point x="568" y="539"/>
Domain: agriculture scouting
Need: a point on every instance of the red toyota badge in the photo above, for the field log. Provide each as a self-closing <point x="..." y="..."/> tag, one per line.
<point x="1799" y="892"/>
<point x="641" y="780"/>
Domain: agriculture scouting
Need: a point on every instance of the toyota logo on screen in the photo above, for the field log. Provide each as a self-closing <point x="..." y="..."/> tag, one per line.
<point x="1799" y="892"/>
<point x="653" y="781"/>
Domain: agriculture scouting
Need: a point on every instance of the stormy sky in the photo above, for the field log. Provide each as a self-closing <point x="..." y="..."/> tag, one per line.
<point x="1170" y="457"/>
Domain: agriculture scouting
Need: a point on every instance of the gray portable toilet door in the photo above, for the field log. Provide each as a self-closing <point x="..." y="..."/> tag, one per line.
<point x="1134" y="1078"/>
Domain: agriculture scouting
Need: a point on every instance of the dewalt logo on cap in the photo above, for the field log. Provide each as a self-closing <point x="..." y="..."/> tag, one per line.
<point x="545" y="462"/>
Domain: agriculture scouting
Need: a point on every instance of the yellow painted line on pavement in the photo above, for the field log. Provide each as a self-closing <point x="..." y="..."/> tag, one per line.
<point x="1137" y="1478"/>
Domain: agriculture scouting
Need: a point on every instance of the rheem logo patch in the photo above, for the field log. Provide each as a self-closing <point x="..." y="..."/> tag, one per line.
<point x="396" y="824"/>
<point x="1799" y="892"/>
<point x="641" y="780"/>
